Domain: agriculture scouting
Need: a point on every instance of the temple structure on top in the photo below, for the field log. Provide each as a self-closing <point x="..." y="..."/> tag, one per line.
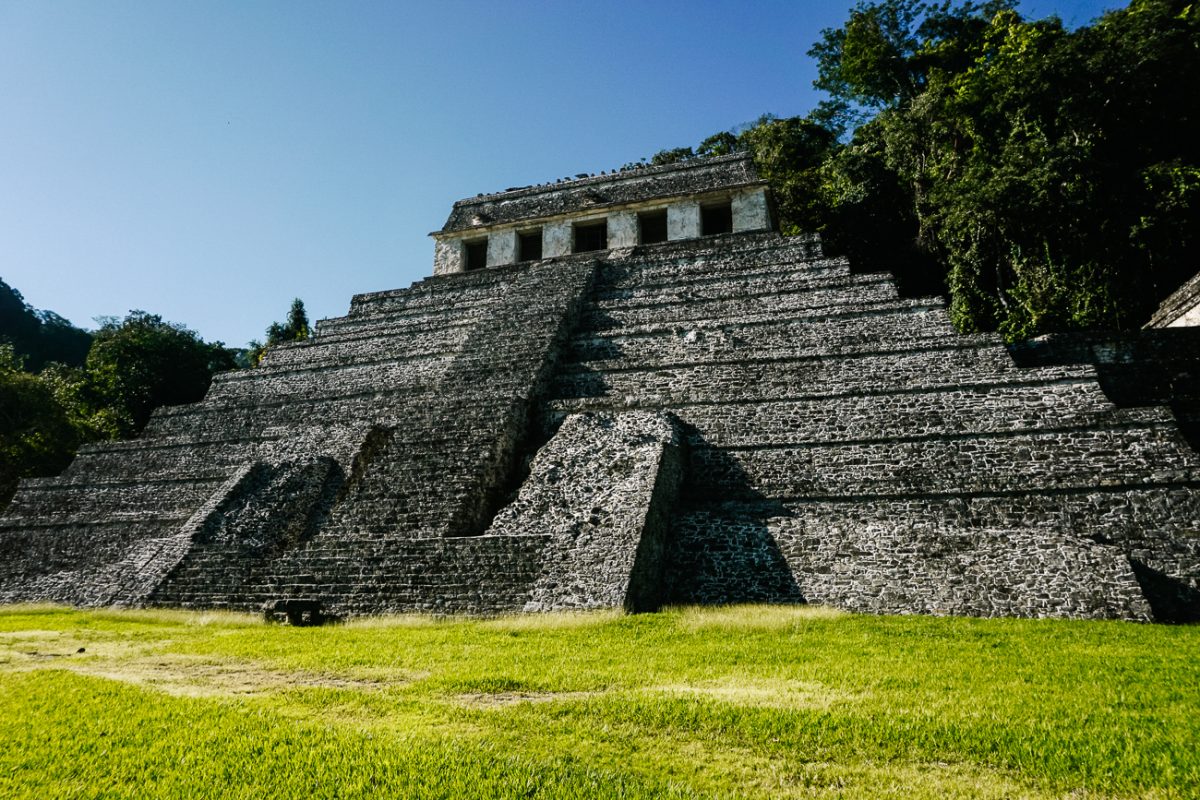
<point x="596" y="214"/>
<point x="629" y="390"/>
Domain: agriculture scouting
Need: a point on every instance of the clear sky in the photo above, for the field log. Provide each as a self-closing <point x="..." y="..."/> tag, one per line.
<point x="209" y="161"/>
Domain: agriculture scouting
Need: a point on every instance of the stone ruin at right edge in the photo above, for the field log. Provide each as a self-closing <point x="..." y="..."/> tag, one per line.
<point x="627" y="391"/>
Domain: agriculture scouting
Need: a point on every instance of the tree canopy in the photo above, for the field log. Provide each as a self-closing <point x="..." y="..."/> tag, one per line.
<point x="142" y="362"/>
<point x="133" y="366"/>
<point x="1044" y="179"/>
<point x="36" y="437"/>
<point x="39" y="337"/>
<point x="293" y="329"/>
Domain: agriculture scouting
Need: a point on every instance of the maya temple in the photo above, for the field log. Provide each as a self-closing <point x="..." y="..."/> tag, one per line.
<point x="627" y="391"/>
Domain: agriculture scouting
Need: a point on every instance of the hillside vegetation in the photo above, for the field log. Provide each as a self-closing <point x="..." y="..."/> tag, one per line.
<point x="61" y="386"/>
<point x="763" y="702"/>
<point x="1043" y="179"/>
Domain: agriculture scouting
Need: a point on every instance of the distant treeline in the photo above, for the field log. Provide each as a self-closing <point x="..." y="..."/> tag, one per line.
<point x="61" y="386"/>
<point x="1042" y="179"/>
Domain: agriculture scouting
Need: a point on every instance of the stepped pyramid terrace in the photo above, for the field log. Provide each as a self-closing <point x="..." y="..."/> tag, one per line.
<point x="628" y="390"/>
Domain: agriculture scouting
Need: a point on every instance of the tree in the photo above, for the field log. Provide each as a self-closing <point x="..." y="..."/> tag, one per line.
<point x="142" y="362"/>
<point x="294" y="329"/>
<point x="788" y="154"/>
<point x="36" y="437"/>
<point x="1052" y="176"/>
<point x="672" y="156"/>
<point x="719" y="144"/>
<point x="885" y="53"/>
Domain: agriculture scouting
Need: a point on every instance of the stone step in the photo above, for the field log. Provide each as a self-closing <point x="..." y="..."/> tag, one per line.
<point x="290" y="382"/>
<point x="716" y="255"/>
<point x="898" y="558"/>
<point x="451" y="313"/>
<point x="610" y="327"/>
<point x="250" y="416"/>
<point x="181" y="456"/>
<point x="762" y="338"/>
<point x="434" y="289"/>
<point x="652" y="275"/>
<point x="1049" y="460"/>
<point x="966" y="364"/>
<point x="771" y="280"/>
<point x="53" y="500"/>
<point x="793" y="305"/>
<point x="374" y="344"/>
<point x="1001" y="408"/>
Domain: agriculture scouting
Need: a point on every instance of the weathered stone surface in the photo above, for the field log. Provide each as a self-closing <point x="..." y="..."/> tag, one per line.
<point x="639" y="185"/>
<point x="1181" y="309"/>
<point x="602" y="489"/>
<point x="727" y="419"/>
<point x="751" y="211"/>
<point x="683" y="220"/>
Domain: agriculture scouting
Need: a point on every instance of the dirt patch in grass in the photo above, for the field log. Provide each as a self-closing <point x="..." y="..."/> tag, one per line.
<point x="783" y="694"/>
<point x="753" y="617"/>
<point x="505" y="699"/>
<point x="185" y="676"/>
<point x="139" y="663"/>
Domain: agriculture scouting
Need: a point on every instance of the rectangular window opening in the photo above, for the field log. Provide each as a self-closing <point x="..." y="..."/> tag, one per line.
<point x="476" y="254"/>
<point x="529" y="246"/>
<point x="591" y="237"/>
<point x="716" y="218"/>
<point x="652" y="227"/>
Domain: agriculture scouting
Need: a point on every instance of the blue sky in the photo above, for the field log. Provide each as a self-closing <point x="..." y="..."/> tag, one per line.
<point x="209" y="161"/>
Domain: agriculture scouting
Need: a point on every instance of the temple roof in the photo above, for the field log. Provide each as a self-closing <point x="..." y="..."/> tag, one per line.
<point x="697" y="176"/>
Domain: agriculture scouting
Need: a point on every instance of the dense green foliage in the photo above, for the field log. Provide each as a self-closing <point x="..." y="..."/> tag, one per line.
<point x="54" y="396"/>
<point x="133" y="366"/>
<point x="36" y="436"/>
<point x="293" y="329"/>
<point x="1044" y="179"/>
<point x="749" y="702"/>
<point x="39" y="337"/>
<point x="142" y="362"/>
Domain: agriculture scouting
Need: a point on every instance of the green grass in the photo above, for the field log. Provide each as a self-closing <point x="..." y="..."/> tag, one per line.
<point x="745" y="701"/>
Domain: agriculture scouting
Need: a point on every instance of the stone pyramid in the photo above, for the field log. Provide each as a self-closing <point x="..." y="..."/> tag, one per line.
<point x="628" y="391"/>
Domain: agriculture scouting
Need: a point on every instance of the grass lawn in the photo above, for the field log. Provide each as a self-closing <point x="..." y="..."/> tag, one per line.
<point x="723" y="702"/>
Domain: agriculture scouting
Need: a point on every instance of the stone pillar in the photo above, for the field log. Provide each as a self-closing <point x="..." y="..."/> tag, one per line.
<point x="622" y="229"/>
<point x="448" y="256"/>
<point x="502" y="248"/>
<point x="556" y="239"/>
<point x="683" y="220"/>
<point x="750" y="211"/>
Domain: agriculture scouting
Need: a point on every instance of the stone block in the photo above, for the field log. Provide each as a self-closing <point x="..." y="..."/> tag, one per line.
<point x="448" y="256"/>
<point x="601" y="489"/>
<point x="751" y="211"/>
<point x="622" y="229"/>
<point x="502" y="248"/>
<point x="683" y="220"/>
<point x="557" y="239"/>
